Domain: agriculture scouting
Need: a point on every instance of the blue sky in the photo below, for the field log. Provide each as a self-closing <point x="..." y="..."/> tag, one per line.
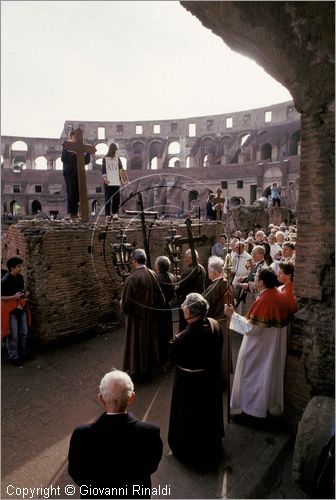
<point x="110" y="60"/>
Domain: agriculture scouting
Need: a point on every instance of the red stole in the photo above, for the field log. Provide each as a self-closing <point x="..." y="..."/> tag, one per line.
<point x="271" y="309"/>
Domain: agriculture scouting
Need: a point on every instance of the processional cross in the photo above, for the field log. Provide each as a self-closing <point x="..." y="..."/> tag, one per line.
<point x="80" y="149"/>
<point x="143" y="215"/>
<point x="218" y="200"/>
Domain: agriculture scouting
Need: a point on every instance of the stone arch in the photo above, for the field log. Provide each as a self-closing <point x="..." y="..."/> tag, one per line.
<point x="36" y="207"/>
<point x="207" y="145"/>
<point x="123" y="160"/>
<point x="293" y="145"/>
<point x="266" y="151"/>
<point x="155" y="149"/>
<point x="19" y="163"/>
<point x="154" y="163"/>
<point x="138" y="147"/>
<point x="40" y="163"/>
<point x="58" y="164"/>
<point x="206" y="162"/>
<point x="272" y="174"/>
<point x="15" y="208"/>
<point x="174" y="162"/>
<point x="242" y="138"/>
<point x="224" y="144"/>
<point x="174" y="148"/>
<point x="101" y="149"/>
<point x="95" y="207"/>
<point x="136" y="163"/>
<point x="98" y="161"/>
<point x="19" y="146"/>
<point x="192" y="196"/>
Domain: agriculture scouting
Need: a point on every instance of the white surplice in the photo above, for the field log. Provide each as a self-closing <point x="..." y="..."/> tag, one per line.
<point x="258" y="383"/>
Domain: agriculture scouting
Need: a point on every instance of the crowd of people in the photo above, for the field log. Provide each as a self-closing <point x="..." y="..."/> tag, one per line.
<point x="247" y="287"/>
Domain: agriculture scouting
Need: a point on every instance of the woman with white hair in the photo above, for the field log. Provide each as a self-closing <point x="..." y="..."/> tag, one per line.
<point x="196" y="424"/>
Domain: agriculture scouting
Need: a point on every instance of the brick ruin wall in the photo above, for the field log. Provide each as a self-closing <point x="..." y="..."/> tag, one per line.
<point x="75" y="290"/>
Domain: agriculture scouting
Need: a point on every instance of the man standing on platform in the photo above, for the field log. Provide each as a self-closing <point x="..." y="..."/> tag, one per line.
<point x="141" y="301"/>
<point x="70" y="173"/>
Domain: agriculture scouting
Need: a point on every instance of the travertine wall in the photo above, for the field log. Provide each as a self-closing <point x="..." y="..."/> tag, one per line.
<point x="270" y="151"/>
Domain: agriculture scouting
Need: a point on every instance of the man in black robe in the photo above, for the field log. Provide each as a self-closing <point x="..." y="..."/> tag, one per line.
<point x="141" y="301"/>
<point x="196" y="424"/>
<point x="70" y="174"/>
<point x="192" y="281"/>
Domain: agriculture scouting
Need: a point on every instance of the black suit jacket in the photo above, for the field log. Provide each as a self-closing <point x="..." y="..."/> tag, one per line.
<point x="116" y="451"/>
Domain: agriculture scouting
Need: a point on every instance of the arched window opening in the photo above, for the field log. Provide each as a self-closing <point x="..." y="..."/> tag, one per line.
<point x="174" y="148"/>
<point x="19" y="146"/>
<point x="19" y="163"/>
<point x="123" y="162"/>
<point x="58" y="163"/>
<point x="40" y="163"/>
<point x="95" y="207"/>
<point x="193" y="195"/>
<point x="225" y="144"/>
<point x="294" y="143"/>
<point x="15" y="208"/>
<point x="206" y="160"/>
<point x="243" y="139"/>
<point x="208" y="146"/>
<point x="36" y="207"/>
<point x="174" y="162"/>
<point x="138" y="148"/>
<point x="155" y="149"/>
<point x="154" y="163"/>
<point x="99" y="162"/>
<point x="272" y="174"/>
<point x="266" y="152"/>
<point x="136" y="163"/>
<point x="101" y="149"/>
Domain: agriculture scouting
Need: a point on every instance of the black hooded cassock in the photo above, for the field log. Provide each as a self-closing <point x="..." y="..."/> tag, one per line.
<point x="196" y="423"/>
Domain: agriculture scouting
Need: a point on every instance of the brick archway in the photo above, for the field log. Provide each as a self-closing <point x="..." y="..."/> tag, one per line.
<point x="294" y="42"/>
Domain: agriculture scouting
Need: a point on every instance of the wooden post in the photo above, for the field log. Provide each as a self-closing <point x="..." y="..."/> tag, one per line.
<point x="80" y="149"/>
<point x="218" y="201"/>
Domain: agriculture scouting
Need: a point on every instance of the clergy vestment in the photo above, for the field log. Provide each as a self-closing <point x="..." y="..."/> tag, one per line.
<point x="142" y="300"/>
<point x="192" y="281"/>
<point x="196" y="423"/>
<point x="167" y="284"/>
<point x="215" y="295"/>
<point x="259" y="376"/>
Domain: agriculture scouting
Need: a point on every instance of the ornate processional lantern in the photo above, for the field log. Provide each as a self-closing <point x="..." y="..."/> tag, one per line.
<point x="174" y="249"/>
<point x="121" y="255"/>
